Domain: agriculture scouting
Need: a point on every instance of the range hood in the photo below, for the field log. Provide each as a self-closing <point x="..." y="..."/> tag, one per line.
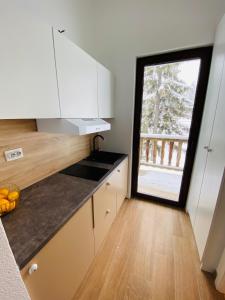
<point x="72" y="126"/>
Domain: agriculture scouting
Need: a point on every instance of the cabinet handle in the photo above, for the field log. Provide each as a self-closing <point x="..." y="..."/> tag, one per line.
<point x="206" y="147"/>
<point x="33" y="269"/>
<point x="210" y="150"/>
<point x="107" y="183"/>
<point x="108" y="211"/>
<point x="118" y="171"/>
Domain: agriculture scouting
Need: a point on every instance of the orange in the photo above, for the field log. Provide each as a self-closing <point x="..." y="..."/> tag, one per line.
<point x="4" y="205"/>
<point x="12" y="196"/>
<point x="4" y="191"/>
<point x="12" y="205"/>
<point x="3" y="201"/>
<point x="2" y="196"/>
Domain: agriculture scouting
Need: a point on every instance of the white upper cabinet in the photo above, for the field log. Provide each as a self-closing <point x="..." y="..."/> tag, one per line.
<point x="105" y="92"/>
<point x="44" y="75"/>
<point x="77" y="79"/>
<point x="28" y="83"/>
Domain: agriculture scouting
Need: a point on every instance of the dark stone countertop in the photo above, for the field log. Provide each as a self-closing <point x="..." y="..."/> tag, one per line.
<point x="44" y="208"/>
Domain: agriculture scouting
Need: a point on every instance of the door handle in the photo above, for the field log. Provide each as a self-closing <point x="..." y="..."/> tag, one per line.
<point x="208" y="149"/>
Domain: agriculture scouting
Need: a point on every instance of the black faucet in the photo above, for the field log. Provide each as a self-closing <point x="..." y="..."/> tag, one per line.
<point x="94" y="140"/>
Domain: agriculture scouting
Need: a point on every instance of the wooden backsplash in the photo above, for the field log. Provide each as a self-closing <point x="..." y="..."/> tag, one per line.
<point x="44" y="153"/>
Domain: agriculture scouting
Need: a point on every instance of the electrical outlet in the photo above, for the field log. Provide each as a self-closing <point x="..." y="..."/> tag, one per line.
<point x="13" y="154"/>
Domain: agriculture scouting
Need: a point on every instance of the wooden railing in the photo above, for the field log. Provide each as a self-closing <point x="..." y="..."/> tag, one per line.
<point x="159" y="150"/>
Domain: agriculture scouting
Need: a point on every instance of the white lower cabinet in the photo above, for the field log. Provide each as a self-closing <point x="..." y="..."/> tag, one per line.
<point x="64" y="261"/>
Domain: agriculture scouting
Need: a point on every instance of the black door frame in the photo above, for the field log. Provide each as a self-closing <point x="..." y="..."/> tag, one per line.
<point x="205" y="54"/>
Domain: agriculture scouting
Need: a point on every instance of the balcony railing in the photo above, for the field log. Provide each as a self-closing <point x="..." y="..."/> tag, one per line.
<point x="161" y="150"/>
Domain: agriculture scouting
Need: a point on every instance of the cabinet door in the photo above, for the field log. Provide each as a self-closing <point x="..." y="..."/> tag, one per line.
<point x="213" y="174"/>
<point x="77" y="79"/>
<point x="64" y="261"/>
<point x="104" y="201"/>
<point x="28" y="84"/>
<point x="121" y="183"/>
<point x="105" y="92"/>
<point x="207" y="121"/>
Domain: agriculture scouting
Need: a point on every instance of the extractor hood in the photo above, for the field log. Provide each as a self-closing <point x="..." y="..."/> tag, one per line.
<point x="73" y="126"/>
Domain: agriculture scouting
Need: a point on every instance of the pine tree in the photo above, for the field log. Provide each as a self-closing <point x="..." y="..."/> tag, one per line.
<point x="166" y="101"/>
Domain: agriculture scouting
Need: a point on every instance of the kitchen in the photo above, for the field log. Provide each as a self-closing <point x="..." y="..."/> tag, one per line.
<point x="66" y="142"/>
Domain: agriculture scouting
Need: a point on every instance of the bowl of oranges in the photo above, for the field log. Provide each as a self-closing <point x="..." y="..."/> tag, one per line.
<point x="9" y="198"/>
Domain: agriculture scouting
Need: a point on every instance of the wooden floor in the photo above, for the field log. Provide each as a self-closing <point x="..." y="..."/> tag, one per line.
<point x="149" y="253"/>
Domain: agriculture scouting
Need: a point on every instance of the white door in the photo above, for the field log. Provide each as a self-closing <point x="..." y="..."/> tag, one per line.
<point x="77" y="79"/>
<point x="213" y="174"/>
<point x="28" y="84"/>
<point x="105" y="92"/>
<point x="207" y="121"/>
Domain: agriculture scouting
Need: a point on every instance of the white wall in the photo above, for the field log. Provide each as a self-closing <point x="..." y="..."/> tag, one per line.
<point x="11" y="284"/>
<point x="76" y="16"/>
<point x="130" y="28"/>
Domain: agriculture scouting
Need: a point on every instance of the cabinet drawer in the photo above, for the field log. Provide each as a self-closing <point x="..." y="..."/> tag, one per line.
<point x="104" y="201"/>
<point x="64" y="261"/>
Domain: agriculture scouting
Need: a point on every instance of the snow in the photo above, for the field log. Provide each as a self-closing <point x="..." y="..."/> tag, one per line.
<point x="159" y="182"/>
